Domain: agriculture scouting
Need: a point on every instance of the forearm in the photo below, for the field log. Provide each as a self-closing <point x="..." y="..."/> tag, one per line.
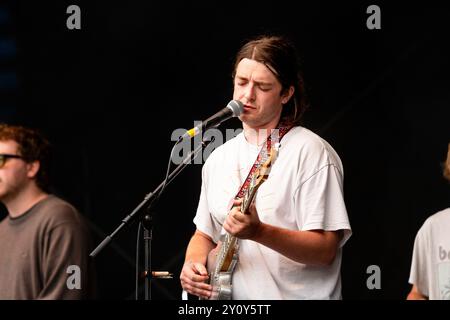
<point x="199" y="247"/>
<point x="308" y="247"/>
<point x="415" y="294"/>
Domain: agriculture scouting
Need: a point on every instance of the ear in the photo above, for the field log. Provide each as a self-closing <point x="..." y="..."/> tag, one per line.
<point x="33" y="169"/>
<point x="287" y="95"/>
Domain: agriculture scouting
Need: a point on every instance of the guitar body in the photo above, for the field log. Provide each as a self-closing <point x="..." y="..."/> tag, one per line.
<point x="220" y="277"/>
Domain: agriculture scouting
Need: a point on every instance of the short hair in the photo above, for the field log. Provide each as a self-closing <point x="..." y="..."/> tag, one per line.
<point x="447" y="165"/>
<point x="280" y="56"/>
<point x="33" y="146"/>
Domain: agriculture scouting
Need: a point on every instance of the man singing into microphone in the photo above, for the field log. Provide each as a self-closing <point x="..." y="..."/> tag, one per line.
<point x="291" y="238"/>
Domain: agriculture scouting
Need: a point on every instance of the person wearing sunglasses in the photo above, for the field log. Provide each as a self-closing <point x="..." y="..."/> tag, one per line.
<point x="44" y="242"/>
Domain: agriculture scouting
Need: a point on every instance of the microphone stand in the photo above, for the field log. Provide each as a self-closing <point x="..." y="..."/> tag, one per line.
<point x="149" y="200"/>
<point x="147" y="223"/>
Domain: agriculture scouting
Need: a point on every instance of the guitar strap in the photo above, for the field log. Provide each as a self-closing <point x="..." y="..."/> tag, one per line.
<point x="274" y="138"/>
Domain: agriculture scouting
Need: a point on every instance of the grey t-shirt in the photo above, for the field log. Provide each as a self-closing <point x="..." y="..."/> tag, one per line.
<point x="430" y="268"/>
<point x="44" y="253"/>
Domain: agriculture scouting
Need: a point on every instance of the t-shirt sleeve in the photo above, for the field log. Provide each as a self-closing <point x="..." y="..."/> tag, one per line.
<point x="320" y="202"/>
<point x="66" y="269"/>
<point x="419" y="273"/>
<point x="204" y="220"/>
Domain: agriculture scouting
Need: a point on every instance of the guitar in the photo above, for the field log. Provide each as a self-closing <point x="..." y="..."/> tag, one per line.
<point x="222" y="260"/>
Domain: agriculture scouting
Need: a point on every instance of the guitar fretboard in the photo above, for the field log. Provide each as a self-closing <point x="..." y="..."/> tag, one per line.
<point x="229" y="241"/>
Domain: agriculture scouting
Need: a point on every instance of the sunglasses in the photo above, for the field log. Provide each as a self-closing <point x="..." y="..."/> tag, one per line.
<point x="4" y="157"/>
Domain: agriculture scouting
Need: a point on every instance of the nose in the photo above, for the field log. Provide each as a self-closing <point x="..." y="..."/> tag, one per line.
<point x="249" y="92"/>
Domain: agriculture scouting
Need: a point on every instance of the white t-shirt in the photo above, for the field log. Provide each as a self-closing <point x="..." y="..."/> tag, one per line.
<point x="430" y="267"/>
<point x="304" y="191"/>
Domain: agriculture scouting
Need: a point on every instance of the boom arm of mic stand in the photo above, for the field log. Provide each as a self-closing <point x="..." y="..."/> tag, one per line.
<point x="150" y="197"/>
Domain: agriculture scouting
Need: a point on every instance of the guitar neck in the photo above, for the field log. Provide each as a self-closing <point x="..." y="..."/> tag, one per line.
<point x="229" y="242"/>
<point x="247" y="200"/>
<point x="226" y="252"/>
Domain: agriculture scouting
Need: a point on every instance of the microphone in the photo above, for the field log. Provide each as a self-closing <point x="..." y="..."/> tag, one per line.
<point x="234" y="108"/>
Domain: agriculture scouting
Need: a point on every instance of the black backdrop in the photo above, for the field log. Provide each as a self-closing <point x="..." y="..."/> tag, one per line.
<point x="108" y="96"/>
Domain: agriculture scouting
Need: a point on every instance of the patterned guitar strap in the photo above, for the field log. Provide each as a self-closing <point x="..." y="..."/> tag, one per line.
<point x="273" y="139"/>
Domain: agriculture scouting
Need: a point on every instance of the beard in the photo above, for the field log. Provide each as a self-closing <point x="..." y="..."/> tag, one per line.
<point x="9" y="191"/>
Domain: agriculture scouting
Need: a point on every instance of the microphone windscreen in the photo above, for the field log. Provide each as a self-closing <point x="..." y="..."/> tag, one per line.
<point x="236" y="106"/>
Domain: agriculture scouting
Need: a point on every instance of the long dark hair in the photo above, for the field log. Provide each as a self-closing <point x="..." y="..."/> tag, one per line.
<point x="280" y="56"/>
